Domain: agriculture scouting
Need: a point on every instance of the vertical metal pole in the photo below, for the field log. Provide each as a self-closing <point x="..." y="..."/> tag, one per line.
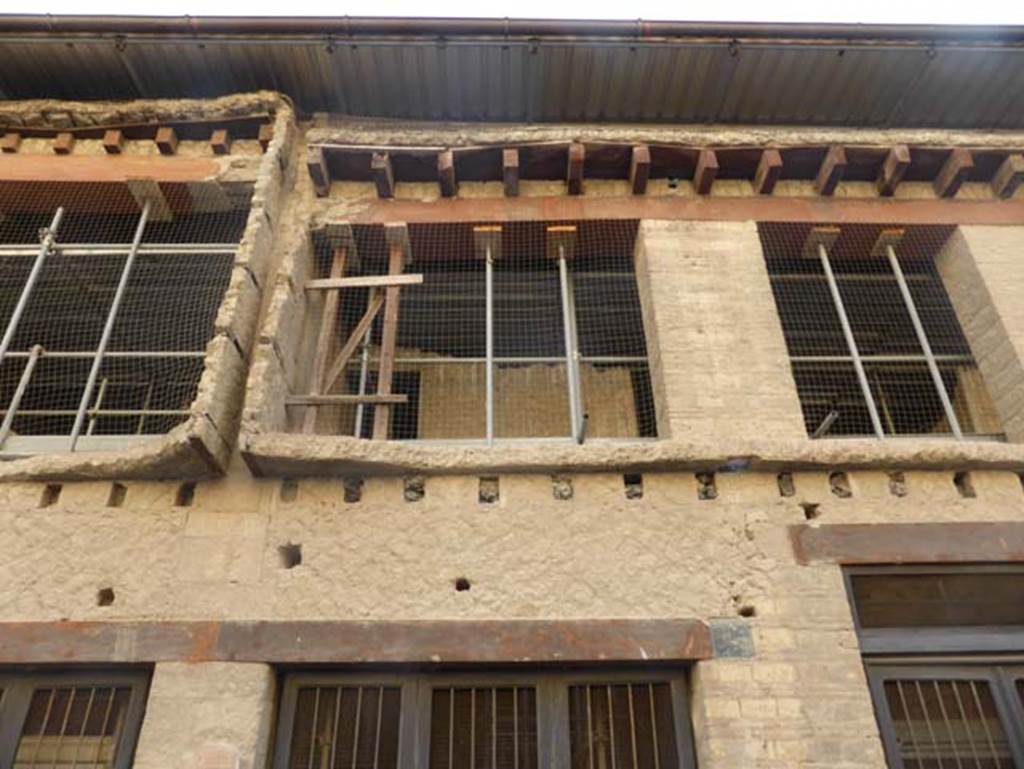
<point x="922" y="339"/>
<point x="45" y="247"/>
<point x="108" y="328"/>
<point x="19" y="393"/>
<point x="571" y="360"/>
<point x="364" y="369"/>
<point x="851" y="343"/>
<point x="489" y="364"/>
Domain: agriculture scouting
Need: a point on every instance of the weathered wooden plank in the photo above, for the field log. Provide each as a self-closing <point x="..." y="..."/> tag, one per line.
<point x="364" y="281"/>
<point x="398" y="237"/>
<point x="166" y="140"/>
<point x="639" y="169"/>
<point x="446" y="174"/>
<point x="1009" y="176"/>
<point x="769" y="170"/>
<point x="895" y="166"/>
<point x="383" y="175"/>
<point x="510" y="171"/>
<point x="574" y="173"/>
<point x="706" y="172"/>
<point x="113" y="142"/>
<point x="318" y="171"/>
<point x="324" y="340"/>
<point x="220" y="142"/>
<point x="833" y="166"/>
<point x="954" y="173"/>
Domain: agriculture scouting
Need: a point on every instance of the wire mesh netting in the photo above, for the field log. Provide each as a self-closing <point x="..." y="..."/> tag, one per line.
<point x="148" y="374"/>
<point x="539" y="311"/>
<point x="902" y="387"/>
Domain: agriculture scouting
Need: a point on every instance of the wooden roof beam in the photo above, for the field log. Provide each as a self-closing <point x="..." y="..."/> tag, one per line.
<point x="640" y="169"/>
<point x="831" y="172"/>
<point x="891" y="174"/>
<point x="769" y="170"/>
<point x="383" y="175"/>
<point x="706" y="173"/>
<point x="954" y="173"/>
<point x="574" y="175"/>
<point x="510" y="171"/>
<point x="446" y="174"/>
<point x="1009" y="176"/>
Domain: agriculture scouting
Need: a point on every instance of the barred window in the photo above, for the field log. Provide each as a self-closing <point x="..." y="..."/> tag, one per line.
<point x="874" y="342"/>
<point x="87" y="720"/>
<point x="483" y="721"/>
<point x="108" y="298"/>
<point x="476" y="332"/>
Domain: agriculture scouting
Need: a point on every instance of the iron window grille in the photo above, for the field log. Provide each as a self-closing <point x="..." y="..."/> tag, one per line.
<point x="632" y="720"/>
<point x="85" y="720"/>
<point x="964" y="709"/>
<point x="528" y="330"/>
<point x="106" y="317"/>
<point x="874" y="343"/>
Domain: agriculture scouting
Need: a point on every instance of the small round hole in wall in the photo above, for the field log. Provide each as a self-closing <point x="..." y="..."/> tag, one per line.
<point x="462" y="584"/>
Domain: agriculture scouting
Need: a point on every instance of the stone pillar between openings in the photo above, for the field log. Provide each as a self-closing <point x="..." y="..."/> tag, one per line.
<point x="719" y="365"/>
<point x="208" y="715"/>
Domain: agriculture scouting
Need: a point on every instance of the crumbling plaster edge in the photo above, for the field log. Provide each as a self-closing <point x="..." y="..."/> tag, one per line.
<point x="286" y="454"/>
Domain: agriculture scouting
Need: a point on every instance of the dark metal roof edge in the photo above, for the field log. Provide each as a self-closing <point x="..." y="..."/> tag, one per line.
<point x="345" y="26"/>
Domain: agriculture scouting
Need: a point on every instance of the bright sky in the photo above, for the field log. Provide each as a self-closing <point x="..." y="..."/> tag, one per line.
<point x="859" y="11"/>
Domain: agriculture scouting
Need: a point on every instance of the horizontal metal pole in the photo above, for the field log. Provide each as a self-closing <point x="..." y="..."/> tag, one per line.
<point x="117" y="354"/>
<point x="607" y="359"/>
<point x="879" y="359"/>
<point x="101" y="412"/>
<point x="151" y="249"/>
<point x="363" y="281"/>
<point x="855" y="278"/>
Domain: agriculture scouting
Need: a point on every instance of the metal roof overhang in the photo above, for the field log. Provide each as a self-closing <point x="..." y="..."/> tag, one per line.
<point x="535" y="71"/>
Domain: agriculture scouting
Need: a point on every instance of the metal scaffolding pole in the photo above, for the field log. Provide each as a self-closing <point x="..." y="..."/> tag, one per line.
<point x="364" y="373"/>
<point x="19" y="393"/>
<point x="851" y="343"/>
<point x="489" y="359"/>
<point x="49" y="235"/>
<point x="922" y="338"/>
<point x="572" y="373"/>
<point x="108" y="327"/>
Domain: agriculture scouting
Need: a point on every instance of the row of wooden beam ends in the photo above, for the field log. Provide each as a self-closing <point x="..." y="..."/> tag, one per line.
<point x="166" y="140"/>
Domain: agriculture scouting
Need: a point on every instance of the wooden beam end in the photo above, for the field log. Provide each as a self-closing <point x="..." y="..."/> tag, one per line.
<point x="831" y="172"/>
<point x="954" y="173"/>
<point x="706" y="172"/>
<point x="640" y="169"/>
<point x="1009" y="176"/>
<point x="510" y="171"/>
<point x="64" y="144"/>
<point x="113" y="142"/>
<point x="769" y="171"/>
<point x="383" y="174"/>
<point x="316" y="162"/>
<point x="446" y="174"/>
<point x="574" y="174"/>
<point x="166" y="140"/>
<point x="220" y="142"/>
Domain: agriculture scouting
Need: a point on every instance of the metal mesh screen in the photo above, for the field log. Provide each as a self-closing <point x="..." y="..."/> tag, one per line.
<point x="623" y="725"/>
<point x="150" y="365"/>
<point x="947" y="723"/>
<point x="73" y="726"/>
<point x="352" y="727"/>
<point x="906" y="395"/>
<point x="483" y="728"/>
<point x="599" y="388"/>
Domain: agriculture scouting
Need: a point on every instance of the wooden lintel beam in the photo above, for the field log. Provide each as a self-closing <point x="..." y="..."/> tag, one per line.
<point x="706" y="172"/>
<point x="1009" y="176"/>
<point x="166" y="140"/>
<point x="383" y="175"/>
<point x="64" y="143"/>
<point x="446" y="174"/>
<point x="113" y="142"/>
<point x="318" y="171"/>
<point x="895" y="166"/>
<point x="510" y="171"/>
<point x="364" y="281"/>
<point x="340" y="400"/>
<point x="574" y="172"/>
<point x="831" y="172"/>
<point x="220" y="142"/>
<point x="954" y="173"/>
<point x="98" y="169"/>
<point x="639" y="169"/>
<point x="769" y="169"/>
<point x="265" y="135"/>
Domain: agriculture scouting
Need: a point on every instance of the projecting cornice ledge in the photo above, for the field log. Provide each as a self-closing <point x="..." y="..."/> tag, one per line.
<point x="285" y="454"/>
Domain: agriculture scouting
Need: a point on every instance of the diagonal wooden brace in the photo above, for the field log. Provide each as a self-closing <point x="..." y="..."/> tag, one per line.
<point x="373" y="305"/>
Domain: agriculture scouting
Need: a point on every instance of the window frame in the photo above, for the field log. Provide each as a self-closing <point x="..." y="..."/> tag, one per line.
<point x="552" y="702"/>
<point x="19" y="686"/>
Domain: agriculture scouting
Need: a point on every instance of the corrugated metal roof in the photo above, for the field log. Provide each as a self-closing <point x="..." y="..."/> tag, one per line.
<point x="539" y="80"/>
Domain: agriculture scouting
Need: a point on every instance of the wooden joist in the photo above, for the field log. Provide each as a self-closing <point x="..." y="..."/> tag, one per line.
<point x="265" y="135"/>
<point x="113" y="142"/>
<point x="574" y="172"/>
<point x="220" y="142"/>
<point x="954" y="173"/>
<point x="706" y="172"/>
<point x="1009" y="176"/>
<point x="639" y="169"/>
<point x="510" y="171"/>
<point x="364" y="281"/>
<point x="398" y="240"/>
<point x="318" y="173"/>
<point x="383" y="175"/>
<point x="769" y="169"/>
<point x="64" y="143"/>
<point x="831" y="172"/>
<point x="341" y="400"/>
<point x="10" y="142"/>
<point x="895" y="166"/>
<point x="166" y="140"/>
<point x="446" y="174"/>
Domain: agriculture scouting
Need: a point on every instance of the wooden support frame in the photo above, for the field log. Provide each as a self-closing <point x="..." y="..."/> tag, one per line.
<point x="769" y="171"/>
<point x="398" y="242"/>
<point x="64" y="143"/>
<point x="833" y="166"/>
<point x="1009" y="176"/>
<point x="446" y="174"/>
<point x="706" y="172"/>
<point x="383" y="174"/>
<point x="328" y="324"/>
<point x="510" y="171"/>
<point x="166" y="140"/>
<point x="220" y="141"/>
<point x="954" y="173"/>
<point x="574" y="171"/>
<point x="113" y="142"/>
<point x="10" y="142"/>
<point x="891" y="174"/>
<point x="364" y="281"/>
<point x="639" y="169"/>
